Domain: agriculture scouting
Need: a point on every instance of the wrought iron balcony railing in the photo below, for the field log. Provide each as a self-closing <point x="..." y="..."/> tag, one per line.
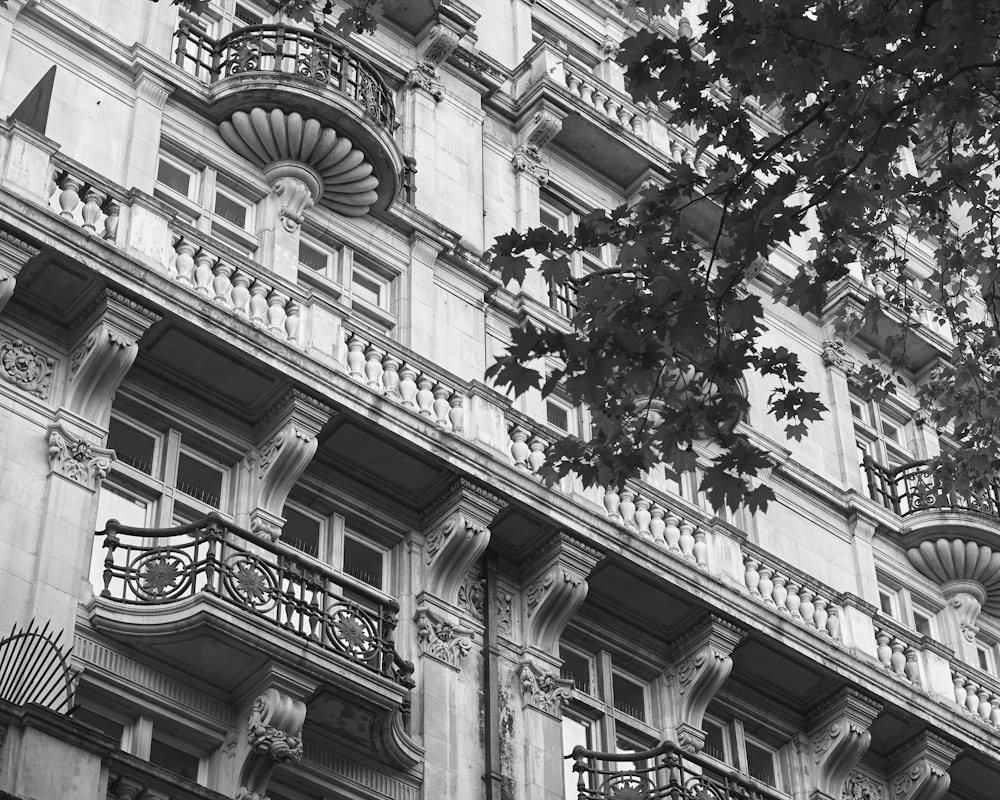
<point x="289" y="51"/>
<point x="912" y="487"/>
<point x="665" y="771"/>
<point x="151" y="567"/>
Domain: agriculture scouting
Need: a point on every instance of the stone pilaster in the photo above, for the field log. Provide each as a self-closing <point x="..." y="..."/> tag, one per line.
<point x="543" y="694"/>
<point x="14" y="254"/>
<point x="286" y="443"/>
<point x="151" y="95"/>
<point x="839" y="737"/>
<point x="554" y="581"/>
<point x="919" y="768"/>
<point x="702" y="663"/>
<point x="103" y="345"/>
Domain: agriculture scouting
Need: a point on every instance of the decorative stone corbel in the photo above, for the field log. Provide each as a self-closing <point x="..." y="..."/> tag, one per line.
<point x="555" y="585"/>
<point x="835" y="355"/>
<point x="839" y="737"/>
<point x="441" y="639"/>
<point x="542" y="689"/>
<point x="287" y="442"/>
<point x="104" y="345"/>
<point x="274" y="735"/>
<point x="458" y="534"/>
<point x="702" y="662"/>
<point x="919" y="768"/>
<point x="76" y="458"/>
<point x="533" y="137"/>
<point x="14" y="254"/>
<point x="436" y="48"/>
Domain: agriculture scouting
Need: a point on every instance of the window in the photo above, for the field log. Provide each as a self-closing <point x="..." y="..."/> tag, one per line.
<point x="165" y="754"/>
<point x="897" y="602"/>
<point x="577" y="668"/>
<point x="320" y="258"/>
<point x="986" y="655"/>
<point x="109" y="727"/>
<point x="737" y="743"/>
<point x="887" y="436"/>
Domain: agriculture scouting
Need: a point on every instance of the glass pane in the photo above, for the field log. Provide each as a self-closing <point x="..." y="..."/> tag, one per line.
<point x="575" y="732"/>
<point x="116" y="503"/>
<point x="887" y="602"/>
<point x="301" y="532"/>
<point x="312" y="257"/>
<point x="106" y="726"/>
<point x="230" y="209"/>
<point x="557" y="415"/>
<point x="363" y="562"/>
<point x="367" y="289"/>
<point x="714" y="745"/>
<point x="132" y="446"/>
<point x="550" y="219"/>
<point x="630" y="697"/>
<point x="173" y="177"/>
<point x="922" y="623"/>
<point x="169" y="757"/>
<point x="760" y="763"/>
<point x="575" y="668"/>
<point x="198" y="480"/>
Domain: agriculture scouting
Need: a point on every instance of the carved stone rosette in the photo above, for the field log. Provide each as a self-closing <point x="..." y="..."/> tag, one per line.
<point x="26" y="368"/>
<point x="919" y="768"/>
<point x="441" y="639"/>
<point x="76" y="458"/>
<point x="274" y="736"/>
<point x="543" y="690"/>
<point x="839" y="737"/>
<point x="702" y="662"/>
<point x="287" y="443"/>
<point x="555" y="585"/>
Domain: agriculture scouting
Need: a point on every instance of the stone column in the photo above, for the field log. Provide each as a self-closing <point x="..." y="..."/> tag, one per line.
<point x="702" y="663"/>
<point x="919" y="768"/>
<point x="839" y="737"/>
<point x="142" y="159"/>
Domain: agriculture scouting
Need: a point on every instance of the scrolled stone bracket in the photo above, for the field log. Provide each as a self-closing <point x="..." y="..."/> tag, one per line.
<point x="702" y="663"/>
<point x="75" y="458"/>
<point x="839" y="736"/>
<point x="441" y="639"/>
<point x="919" y="768"/>
<point x="544" y="125"/>
<point x="543" y="690"/>
<point x="274" y="736"/>
<point x="14" y="254"/>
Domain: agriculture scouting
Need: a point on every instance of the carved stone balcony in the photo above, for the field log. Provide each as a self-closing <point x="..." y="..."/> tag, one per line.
<point x="662" y="772"/>
<point x="161" y="584"/>
<point x="300" y="105"/>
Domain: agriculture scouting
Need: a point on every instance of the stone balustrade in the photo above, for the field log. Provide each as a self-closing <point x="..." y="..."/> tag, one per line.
<point x="379" y="364"/>
<point x="637" y="510"/>
<point x="238" y="285"/>
<point x="976" y="693"/>
<point x="791" y="593"/>
<point x="89" y="201"/>
<point x="898" y="650"/>
<point x="596" y="94"/>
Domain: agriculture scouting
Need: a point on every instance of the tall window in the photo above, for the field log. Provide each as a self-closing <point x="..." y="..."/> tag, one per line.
<point x="885" y="435"/>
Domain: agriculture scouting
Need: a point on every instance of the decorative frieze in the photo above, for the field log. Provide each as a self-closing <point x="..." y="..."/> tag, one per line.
<point x="76" y="458"/>
<point x="838" y="738"/>
<point x="26" y="368"/>
<point x="702" y="663"/>
<point x="543" y="690"/>
<point x="441" y="639"/>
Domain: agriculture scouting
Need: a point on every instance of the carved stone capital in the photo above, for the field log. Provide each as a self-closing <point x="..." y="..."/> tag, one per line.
<point x="457" y="525"/>
<point x="14" y="254"/>
<point x="436" y="47"/>
<point x="441" y="639"/>
<point x="839" y="737"/>
<point x="286" y="438"/>
<point x="543" y="690"/>
<point x="555" y="585"/>
<point x="528" y="160"/>
<point x="835" y="355"/>
<point x="25" y="367"/>
<point x="76" y="458"/>
<point x="274" y="736"/>
<point x="532" y="139"/>
<point x="104" y="345"/>
<point x="919" y="768"/>
<point x="296" y="197"/>
<point x="702" y="662"/>
<point x="424" y="76"/>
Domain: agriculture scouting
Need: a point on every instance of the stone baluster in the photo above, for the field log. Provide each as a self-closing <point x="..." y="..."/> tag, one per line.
<point x="751" y="575"/>
<point x="441" y="406"/>
<point x="276" y="303"/>
<point x="537" y="455"/>
<point x="519" y="450"/>
<point x="700" y="548"/>
<point x="587" y="92"/>
<point x="985" y="707"/>
<point x="897" y="661"/>
<point x="792" y="600"/>
<point x="657" y="525"/>
<point x="820" y="613"/>
<point x="222" y="285"/>
<point x="612" y="109"/>
<point x="356" y="358"/>
<point x="184" y="263"/>
<point x="373" y="368"/>
<point x="293" y="315"/>
<point x="425" y="396"/>
<point x="240" y="293"/>
<point x="833" y="623"/>
<point x="573" y="84"/>
<point x="390" y="377"/>
<point x="972" y="697"/>
<point x="883" y="650"/>
<point x="686" y="540"/>
<point x="456" y="412"/>
<point x="961" y="693"/>
<point x="69" y="195"/>
<point x="995" y="711"/>
<point x="611" y="503"/>
<point x="806" y="606"/>
<point x="643" y="518"/>
<point x="91" y="212"/>
<point x="408" y="386"/>
<point x="203" y="263"/>
<point x="112" y="214"/>
<point x="626" y="508"/>
<point x="258" y="303"/>
<point x="766" y="584"/>
<point x="912" y="667"/>
<point x="779" y="594"/>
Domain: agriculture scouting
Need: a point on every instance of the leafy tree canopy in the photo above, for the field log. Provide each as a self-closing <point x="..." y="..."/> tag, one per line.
<point x="866" y="127"/>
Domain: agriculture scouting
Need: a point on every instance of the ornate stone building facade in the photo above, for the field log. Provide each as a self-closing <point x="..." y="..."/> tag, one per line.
<point x="244" y="321"/>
